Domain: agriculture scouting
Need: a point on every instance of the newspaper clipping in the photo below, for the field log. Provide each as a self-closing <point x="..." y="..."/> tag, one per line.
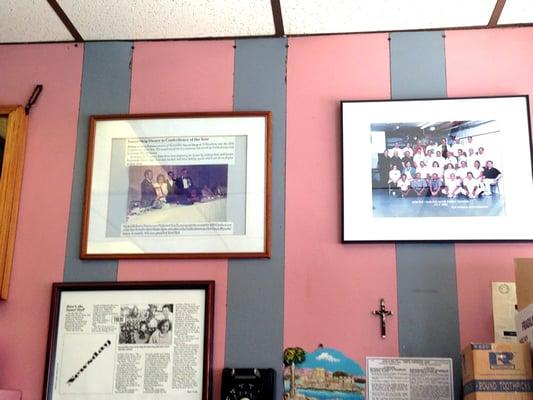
<point x="409" y="378"/>
<point x="178" y="185"/>
<point x="111" y="345"/>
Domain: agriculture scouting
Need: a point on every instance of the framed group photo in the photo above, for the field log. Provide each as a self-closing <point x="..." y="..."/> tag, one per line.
<point x="193" y="185"/>
<point x="140" y="340"/>
<point x="454" y="169"/>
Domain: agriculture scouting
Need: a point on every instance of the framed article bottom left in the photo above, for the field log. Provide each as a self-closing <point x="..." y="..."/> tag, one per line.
<point x="140" y="340"/>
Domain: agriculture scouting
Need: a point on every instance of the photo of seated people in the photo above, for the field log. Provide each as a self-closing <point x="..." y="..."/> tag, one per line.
<point x="437" y="169"/>
<point x="166" y="194"/>
<point x="146" y="324"/>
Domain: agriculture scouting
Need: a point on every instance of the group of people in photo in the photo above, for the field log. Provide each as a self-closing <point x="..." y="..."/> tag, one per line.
<point x="462" y="168"/>
<point x="175" y="190"/>
<point x="153" y="325"/>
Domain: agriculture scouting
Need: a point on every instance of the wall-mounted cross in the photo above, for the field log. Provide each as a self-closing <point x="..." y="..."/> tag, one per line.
<point x="383" y="313"/>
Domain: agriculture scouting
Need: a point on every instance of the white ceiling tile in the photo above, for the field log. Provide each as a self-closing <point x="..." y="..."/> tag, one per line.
<point x="169" y="19"/>
<point x="517" y="12"/>
<point x="335" y="16"/>
<point x="30" y="21"/>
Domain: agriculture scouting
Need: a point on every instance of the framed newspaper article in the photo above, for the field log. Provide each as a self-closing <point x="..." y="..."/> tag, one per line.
<point x="409" y="378"/>
<point x="454" y="169"/>
<point x="178" y="186"/>
<point x="140" y="340"/>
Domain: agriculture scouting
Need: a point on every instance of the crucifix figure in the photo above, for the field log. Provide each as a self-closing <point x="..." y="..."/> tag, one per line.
<point x="383" y="313"/>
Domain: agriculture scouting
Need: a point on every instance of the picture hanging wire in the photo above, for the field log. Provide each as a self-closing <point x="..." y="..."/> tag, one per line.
<point x="33" y="98"/>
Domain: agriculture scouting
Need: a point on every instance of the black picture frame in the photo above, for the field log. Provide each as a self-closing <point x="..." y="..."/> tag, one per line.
<point x="110" y="324"/>
<point x="490" y="210"/>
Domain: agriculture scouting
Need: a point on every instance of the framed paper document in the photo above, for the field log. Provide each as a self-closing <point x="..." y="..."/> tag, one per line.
<point x="178" y="186"/>
<point x="140" y="340"/>
<point x="393" y="378"/>
<point x="454" y="169"/>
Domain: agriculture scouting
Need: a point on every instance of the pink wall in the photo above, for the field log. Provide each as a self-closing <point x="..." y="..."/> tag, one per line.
<point x="330" y="288"/>
<point x="184" y="76"/>
<point x="486" y="62"/>
<point x="42" y="226"/>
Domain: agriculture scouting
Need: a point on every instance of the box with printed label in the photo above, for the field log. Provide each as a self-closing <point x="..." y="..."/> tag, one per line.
<point x="497" y="371"/>
<point x="524" y="325"/>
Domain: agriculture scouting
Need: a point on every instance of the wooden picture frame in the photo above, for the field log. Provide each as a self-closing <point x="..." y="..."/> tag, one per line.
<point x="188" y="185"/>
<point x="11" y="169"/>
<point x="484" y="142"/>
<point x="141" y="340"/>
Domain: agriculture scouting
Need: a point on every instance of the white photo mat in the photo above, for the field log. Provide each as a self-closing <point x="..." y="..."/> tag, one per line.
<point x="511" y="114"/>
<point x="244" y="204"/>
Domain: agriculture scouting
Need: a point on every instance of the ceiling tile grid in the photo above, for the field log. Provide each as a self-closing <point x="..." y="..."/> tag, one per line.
<point x="36" y="21"/>
<point x="30" y="21"/>
<point x="336" y="16"/>
<point x="517" y="12"/>
<point x="169" y="19"/>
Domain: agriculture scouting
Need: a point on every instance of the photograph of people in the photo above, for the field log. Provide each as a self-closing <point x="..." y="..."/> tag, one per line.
<point x="419" y="185"/>
<point x="384" y="167"/>
<point x="396" y="160"/>
<point x="423" y="170"/>
<point x="471" y="186"/>
<point x="435" y="184"/>
<point x="197" y="195"/>
<point x="171" y="184"/>
<point x="491" y="177"/>
<point x="436" y="169"/>
<point x="404" y="185"/>
<point x="449" y="169"/>
<point x="163" y="333"/>
<point x="167" y="312"/>
<point x="148" y="193"/>
<point x="470" y="145"/>
<point x="142" y="324"/>
<point x="419" y="156"/>
<point x="184" y="187"/>
<point x="477" y="171"/>
<point x="409" y="171"/>
<point x="394" y="175"/>
<point x="462" y="170"/>
<point x="161" y="188"/>
<point x="142" y="335"/>
<point x="439" y="158"/>
<point x="407" y="158"/>
<point x="453" y="186"/>
<point x="150" y="317"/>
<point x="448" y="173"/>
<point x="443" y="149"/>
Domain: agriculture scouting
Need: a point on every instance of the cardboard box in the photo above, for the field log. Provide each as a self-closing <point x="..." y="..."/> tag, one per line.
<point x="497" y="371"/>
<point x="524" y="325"/>
<point x="524" y="282"/>
<point x="504" y="312"/>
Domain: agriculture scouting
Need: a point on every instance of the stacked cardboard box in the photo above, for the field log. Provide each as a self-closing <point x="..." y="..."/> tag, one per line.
<point x="497" y="371"/>
<point x="524" y="297"/>
<point x="524" y="325"/>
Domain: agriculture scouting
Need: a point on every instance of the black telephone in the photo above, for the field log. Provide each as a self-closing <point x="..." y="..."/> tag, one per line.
<point x="248" y="384"/>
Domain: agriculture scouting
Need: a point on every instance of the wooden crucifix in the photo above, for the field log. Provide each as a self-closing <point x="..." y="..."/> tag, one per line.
<point x="383" y="313"/>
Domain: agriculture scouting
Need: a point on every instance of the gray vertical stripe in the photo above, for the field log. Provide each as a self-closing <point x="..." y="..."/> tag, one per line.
<point x="418" y="65"/>
<point x="427" y="286"/>
<point x="105" y="89"/>
<point x="254" y="336"/>
<point x="427" y="303"/>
